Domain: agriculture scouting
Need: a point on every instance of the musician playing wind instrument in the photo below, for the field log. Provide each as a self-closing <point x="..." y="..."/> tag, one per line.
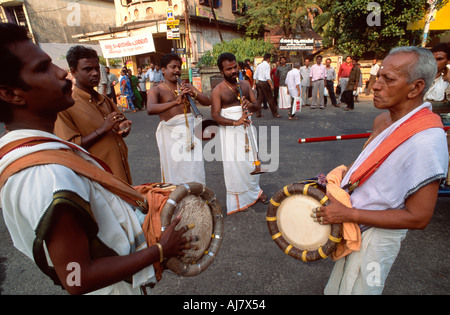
<point x="229" y="111"/>
<point x="180" y="152"/>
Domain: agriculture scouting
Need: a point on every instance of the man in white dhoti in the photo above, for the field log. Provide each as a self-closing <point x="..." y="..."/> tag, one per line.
<point x="76" y="231"/>
<point x="180" y="151"/>
<point x="401" y="194"/>
<point x="284" y="100"/>
<point x="293" y="83"/>
<point x="243" y="189"/>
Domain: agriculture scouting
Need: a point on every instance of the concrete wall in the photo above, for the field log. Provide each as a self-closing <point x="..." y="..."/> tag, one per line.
<point x="55" y="21"/>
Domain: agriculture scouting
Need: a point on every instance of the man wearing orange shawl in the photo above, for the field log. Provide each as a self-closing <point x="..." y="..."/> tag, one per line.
<point x="400" y="192"/>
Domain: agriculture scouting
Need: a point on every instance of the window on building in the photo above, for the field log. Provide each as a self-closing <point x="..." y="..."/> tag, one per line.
<point x="16" y="15"/>
<point x="216" y="3"/>
<point x="236" y="9"/>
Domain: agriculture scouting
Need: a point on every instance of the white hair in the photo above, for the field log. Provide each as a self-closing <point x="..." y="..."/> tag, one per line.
<point x="424" y="68"/>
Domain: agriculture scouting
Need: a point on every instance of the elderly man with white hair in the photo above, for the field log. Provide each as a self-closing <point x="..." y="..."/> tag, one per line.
<point x="393" y="185"/>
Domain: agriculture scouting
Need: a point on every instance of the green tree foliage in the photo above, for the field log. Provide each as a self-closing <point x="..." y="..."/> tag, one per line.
<point x="291" y="16"/>
<point x="346" y="23"/>
<point x="242" y="48"/>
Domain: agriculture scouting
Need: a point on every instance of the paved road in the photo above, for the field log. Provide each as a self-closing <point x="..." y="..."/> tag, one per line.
<point x="249" y="262"/>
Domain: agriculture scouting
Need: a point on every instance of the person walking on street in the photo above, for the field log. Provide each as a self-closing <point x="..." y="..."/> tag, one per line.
<point x="284" y="100"/>
<point x="264" y="87"/>
<point x="373" y="76"/>
<point x="293" y="83"/>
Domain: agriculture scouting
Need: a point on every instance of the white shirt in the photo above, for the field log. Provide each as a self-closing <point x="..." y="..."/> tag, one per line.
<point x="437" y="90"/>
<point x="406" y="170"/>
<point x="150" y="74"/>
<point x="305" y="72"/>
<point x="374" y="69"/>
<point x="262" y="72"/>
<point x="28" y="194"/>
<point x="293" y="79"/>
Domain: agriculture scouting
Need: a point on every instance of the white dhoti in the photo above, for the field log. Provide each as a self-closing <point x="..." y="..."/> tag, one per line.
<point x="365" y="272"/>
<point x="296" y="101"/>
<point x="242" y="188"/>
<point x="284" y="99"/>
<point x="181" y="154"/>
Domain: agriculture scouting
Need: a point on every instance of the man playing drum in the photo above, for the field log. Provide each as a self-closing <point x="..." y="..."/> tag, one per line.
<point x="401" y="194"/>
<point x="91" y="236"/>
<point x="180" y="152"/>
<point x="242" y="188"/>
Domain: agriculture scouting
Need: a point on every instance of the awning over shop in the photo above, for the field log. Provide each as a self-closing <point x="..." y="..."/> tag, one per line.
<point x="441" y="21"/>
<point x="128" y="46"/>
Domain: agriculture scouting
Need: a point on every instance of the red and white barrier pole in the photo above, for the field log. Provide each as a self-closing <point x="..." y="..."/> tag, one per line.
<point x="343" y="137"/>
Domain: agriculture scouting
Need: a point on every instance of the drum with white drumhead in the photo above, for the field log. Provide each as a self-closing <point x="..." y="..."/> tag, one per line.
<point x="292" y="227"/>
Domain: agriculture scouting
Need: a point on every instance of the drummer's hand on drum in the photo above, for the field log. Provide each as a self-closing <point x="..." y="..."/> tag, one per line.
<point x="334" y="213"/>
<point x="174" y="242"/>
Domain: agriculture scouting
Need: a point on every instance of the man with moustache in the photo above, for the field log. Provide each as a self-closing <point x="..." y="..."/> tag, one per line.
<point x="58" y="218"/>
<point x="231" y="111"/>
<point x="180" y="151"/>
<point x="94" y="122"/>
<point x="401" y="188"/>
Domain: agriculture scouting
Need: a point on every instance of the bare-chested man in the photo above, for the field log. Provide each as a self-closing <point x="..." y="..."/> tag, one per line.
<point x="180" y="152"/>
<point x="242" y="188"/>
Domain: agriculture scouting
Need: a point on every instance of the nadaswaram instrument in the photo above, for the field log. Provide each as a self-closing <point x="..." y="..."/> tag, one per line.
<point x="251" y="137"/>
<point x="294" y="230"/>
<point x="207" y="128"/>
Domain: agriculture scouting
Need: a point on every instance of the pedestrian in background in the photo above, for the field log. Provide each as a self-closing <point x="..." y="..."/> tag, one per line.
<point x="150" y="75"/>
<point x="264" y="87"/>
<point x="284" y="100"/>
<point x="373" y="76"/>
<point x="351" y="86"/>
<point x="343" y="75"/>
<point x="112" y="80"/>
<point x="331" y="76"/>
<point x="305" y="71"/>
<point x="318" y="76"/>
<point x="142" y="82"/>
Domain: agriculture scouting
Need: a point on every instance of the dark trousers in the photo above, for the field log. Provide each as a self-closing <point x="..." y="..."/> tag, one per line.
<point x="263" y="90"/>
<point x="347" y="98"/>
<point x="144" y="98"/>
<point x="330" y="88"/>
<point x="112" y="95"/>
<point x="276" y="92"/>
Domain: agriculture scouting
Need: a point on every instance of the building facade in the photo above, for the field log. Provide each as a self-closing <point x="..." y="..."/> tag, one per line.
<point x="188" y="27"/>
<point x="53" y="23"/>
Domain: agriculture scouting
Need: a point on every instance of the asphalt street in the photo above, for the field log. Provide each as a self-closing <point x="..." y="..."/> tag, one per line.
<point x="249" y="262"/>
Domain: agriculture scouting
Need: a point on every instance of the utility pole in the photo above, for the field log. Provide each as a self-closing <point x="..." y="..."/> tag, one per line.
<point x="430" y="17"/>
